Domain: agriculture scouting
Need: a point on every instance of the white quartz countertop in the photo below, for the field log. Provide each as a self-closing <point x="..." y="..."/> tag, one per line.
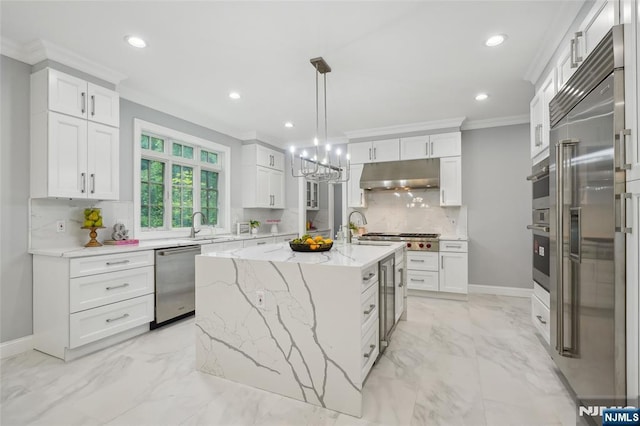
<point x="454" y="238"/>
<point x="341" y="254"/>
<point x="148" y="245"/>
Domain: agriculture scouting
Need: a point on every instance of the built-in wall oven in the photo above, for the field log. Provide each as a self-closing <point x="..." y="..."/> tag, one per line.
<point x="540" y="223"/>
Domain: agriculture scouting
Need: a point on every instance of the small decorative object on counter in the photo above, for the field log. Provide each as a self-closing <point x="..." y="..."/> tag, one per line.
<point x="307" y="243"/>
<point x="274" y="225"/>
<point x="254" y="225"/>
<point x="120" y="237"/>
<point x="353" y="227"/>
<point x="92" y="221"/>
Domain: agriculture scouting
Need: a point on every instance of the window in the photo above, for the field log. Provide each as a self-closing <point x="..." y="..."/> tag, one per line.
<point x="176" y="175"/>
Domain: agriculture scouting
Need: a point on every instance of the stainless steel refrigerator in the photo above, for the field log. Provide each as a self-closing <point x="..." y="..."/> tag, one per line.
<point x="587" y="231"/>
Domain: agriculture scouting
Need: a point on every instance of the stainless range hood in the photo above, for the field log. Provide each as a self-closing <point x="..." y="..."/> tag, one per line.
<point x="408" y="174"/>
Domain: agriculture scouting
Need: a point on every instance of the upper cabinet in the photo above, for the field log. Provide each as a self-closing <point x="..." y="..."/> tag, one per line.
<point x="374" y="152"/>
<point x="540" y="121"/>
<point x="53" y="90"/>
<point x="356" y="196"/>
<point x="451" y="181"/>
<point x="262" y="177"/>
<point x="73" y="153"/>
<point x="431" y="146"/>
<point x="312" y="194"/>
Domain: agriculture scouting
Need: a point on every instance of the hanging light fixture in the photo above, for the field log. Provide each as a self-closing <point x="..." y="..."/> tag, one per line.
<point x="324" y="165"/>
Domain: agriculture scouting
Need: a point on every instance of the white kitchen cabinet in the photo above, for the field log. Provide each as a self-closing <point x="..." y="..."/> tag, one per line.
<point x="53" y="90"/>
<point x="254" y="154"/>
<point x="221" y="246"/>
<point x="454" y="274"/>
<point x="258" y="241"/>
<point x="565" y="67"/>
<point x="84" y="304"/>
<point x="262" y="187"/>
<point x="431" y="146"/>
<point x="633" y="289"/>
<point x="374" y="152"/>
<point x="451" y="181"/>
<point x="312" y="195"/>
<point x="400" y="274"/>
<point x="594" y="27"/>
<point x="540" y="120"/>
<point x="356" y="195"/>
<point x="73" y="156"/>
<point x="422" y="270"/>
<point x="631" y="17"/>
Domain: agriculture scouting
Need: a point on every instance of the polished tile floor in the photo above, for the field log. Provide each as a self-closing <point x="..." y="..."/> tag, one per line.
<point x="469" y="363"/>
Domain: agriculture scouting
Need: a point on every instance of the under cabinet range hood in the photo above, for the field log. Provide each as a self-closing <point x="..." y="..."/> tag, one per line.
<point x="407" y="174"/>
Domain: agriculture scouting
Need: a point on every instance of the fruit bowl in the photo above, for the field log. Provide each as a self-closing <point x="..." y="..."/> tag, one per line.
<point x="303" y="247"/>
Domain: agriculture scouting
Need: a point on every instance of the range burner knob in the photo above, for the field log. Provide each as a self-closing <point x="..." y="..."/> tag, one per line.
<point x="409" y="245"/>
<point x="428" y="245"/>
<point x="421" y="245"/>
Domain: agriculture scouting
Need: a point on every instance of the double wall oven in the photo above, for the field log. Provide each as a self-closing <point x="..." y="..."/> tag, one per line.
<point x="540" y="223"/>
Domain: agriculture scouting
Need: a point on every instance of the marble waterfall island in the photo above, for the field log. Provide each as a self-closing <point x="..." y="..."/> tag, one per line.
<point x="290" y="323"/>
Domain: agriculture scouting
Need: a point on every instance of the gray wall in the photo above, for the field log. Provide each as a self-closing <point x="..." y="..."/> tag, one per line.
<point x="495" y="163"/>
<point x="130" y="110"/>
<point x="15" y="263"/>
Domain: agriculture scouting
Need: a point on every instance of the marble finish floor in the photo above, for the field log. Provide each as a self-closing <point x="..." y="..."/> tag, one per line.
<point x="452" y="363"/>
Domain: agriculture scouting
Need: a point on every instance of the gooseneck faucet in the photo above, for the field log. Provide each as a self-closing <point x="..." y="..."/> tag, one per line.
<point x="193" y="228"/>
<point x="364" y="222"/>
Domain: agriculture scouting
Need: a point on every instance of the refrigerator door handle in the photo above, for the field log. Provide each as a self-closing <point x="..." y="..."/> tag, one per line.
<point x="621" y="153"/>
<point x="621" y="217"/>
<point x="560" y="186"/>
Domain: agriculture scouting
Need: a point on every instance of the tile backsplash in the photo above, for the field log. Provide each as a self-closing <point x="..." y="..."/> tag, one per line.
<point x="413" y="211"/>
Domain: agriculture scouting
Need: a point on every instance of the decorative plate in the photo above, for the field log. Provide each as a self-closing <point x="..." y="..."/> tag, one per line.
<point x="307" y="247"/>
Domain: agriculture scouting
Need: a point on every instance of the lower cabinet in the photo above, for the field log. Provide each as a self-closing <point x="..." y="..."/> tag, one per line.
<point x="445" y="271"/>
<point x="422" y="271"/>
<point x="540" y="312"/>
<point x="369" y="319"/>
<point x="85" y="304"/>
<point x="400" y="284"/>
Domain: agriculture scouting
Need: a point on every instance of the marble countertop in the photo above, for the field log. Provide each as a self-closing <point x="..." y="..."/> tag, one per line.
<point x="454" y="238"/>
<point x="149" y="245"/>
<point x="341" y="254"/>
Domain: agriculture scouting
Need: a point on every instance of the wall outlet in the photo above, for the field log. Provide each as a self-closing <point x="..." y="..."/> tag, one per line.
<point x="61" y="226"/>
<point x="260" y="299"/>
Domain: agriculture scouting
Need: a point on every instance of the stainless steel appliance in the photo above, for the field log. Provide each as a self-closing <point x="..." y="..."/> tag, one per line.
<point x="413" y="241"/>
<point x="587" y="182"/>
<point x="386" y="298"/>
<point x="175" y="283"/>
<point x="540" y="223"/>
<point x="406" y="174"/>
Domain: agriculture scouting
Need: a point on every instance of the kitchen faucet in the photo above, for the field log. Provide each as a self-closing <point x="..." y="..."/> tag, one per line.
<point x="193" y="228"/>
<point x="364" y="222"/>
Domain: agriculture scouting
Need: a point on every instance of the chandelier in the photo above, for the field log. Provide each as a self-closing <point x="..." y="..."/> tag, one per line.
<point x="321" y="165"/>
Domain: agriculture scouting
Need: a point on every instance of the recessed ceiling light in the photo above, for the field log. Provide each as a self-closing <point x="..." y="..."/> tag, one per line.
<point x="288" y="124"/>
<point x="135" y="41"/>
<point x="234" y="95"/>
<point x="481" y="97"/>
<point x="495" y="40"/>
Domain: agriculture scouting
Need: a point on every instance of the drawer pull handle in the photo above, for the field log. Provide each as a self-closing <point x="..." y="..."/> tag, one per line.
<point x="118" y="286"/>
<point x="453" y="245"/>
<point x="417" y="260"/>
<point x="117" y="318"/>
<point x="119" y="262"/>
<point x="368" y="311"/>
<point x="368" y="277"/>
<point x="415" y="279"/>
<point x="371" y="349"/>
<point x="261" y="243"/>
<point x="540" y="319"/>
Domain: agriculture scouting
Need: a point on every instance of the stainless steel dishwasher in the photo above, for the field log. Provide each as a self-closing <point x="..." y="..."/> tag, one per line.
<point x="175" y="283"/>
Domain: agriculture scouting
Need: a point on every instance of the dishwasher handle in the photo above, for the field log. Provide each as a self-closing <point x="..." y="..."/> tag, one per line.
<point x="179" y="250"/>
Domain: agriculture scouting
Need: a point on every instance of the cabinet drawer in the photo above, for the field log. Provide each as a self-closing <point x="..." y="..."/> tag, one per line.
<point x="369" y="309"/>
<point x="97" y="290"/>
<point x="257" y="242"/>
<point x="369" y="351"/>
<point x="540" y="316"/>
<point x="110" y="262"/>
<point x="369" y="276"/>
<point x="422" y="280"/>
<point x="422" y="261"/>
<point x="456" y="246"/>
<point x="104" y="321"/>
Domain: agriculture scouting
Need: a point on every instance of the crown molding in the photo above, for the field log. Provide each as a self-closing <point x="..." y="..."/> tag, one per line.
<point x="564" y="17"/>
<point x="40" y="50"/>
<point x="495" y="122"/>
<point x="406" y="128"/>
<point x="179" y="111"/>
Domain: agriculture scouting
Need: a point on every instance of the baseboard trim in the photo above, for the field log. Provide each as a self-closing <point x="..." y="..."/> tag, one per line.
<point x="500" y="291"/>
<point x="16" y="346"/>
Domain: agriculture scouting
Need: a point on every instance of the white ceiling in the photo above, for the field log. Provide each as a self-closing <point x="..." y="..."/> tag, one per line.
<point x="393" y="62"/>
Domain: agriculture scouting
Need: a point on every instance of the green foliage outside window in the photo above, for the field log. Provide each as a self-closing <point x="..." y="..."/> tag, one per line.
<point x="151" y="194"/>
<point x="209" y="195"/>
<point x="181" y="196"/>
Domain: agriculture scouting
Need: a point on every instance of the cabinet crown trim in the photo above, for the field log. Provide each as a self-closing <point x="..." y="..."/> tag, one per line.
<point x="406" y="128"/>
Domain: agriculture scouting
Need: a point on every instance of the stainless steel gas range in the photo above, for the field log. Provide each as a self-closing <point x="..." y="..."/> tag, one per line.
<point x="413" y="241"/>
